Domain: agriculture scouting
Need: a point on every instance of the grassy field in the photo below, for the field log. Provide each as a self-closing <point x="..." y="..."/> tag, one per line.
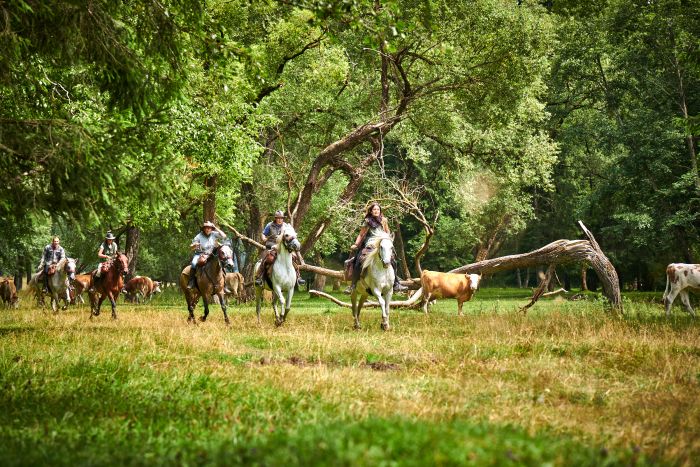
<point x="565" y="384"/>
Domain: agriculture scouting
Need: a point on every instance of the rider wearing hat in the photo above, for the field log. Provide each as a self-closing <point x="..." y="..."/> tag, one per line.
<point x="204" y="242"/>
<point x="107" y="251"/>
<point x="53" y="253"/>
<point x="269" y="235"/>
<point x="373" y="224"/>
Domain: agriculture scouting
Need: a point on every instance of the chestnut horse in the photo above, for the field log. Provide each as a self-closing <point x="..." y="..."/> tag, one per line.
<point x="210" y="282"/>
<point x="109" y="284"/>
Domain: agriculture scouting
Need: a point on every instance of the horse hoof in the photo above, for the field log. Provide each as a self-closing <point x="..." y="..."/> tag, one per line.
<point x="278" y="323"/>
<point x="357" y="326"/>
<point x="191" y="319"/>
<point x="385" y="327"/>
<point x="228" y="322"/>
<point x="202" y="318"/>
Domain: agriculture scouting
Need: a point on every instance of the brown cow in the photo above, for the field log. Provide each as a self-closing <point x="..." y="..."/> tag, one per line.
<point x="8" y="292"/>
<point x="143" y="287"/>
<point x="448" y="285"/>
<point x="82" y="283"/>
<point x="234" y="286"/>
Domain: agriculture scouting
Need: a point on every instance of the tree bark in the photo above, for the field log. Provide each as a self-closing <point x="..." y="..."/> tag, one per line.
<point x="209" y="208"/>
<point x="319" y="279"/>
<point x="401" y="250"/>
<point x="133" y="237"/>
<point x="518" y="279"/>
<point x="584" y="272"/>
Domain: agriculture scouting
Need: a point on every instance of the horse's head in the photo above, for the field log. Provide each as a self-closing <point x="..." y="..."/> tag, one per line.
<point x="386" y="250"/>
<point x="225" y="255"/>
<point x="289" y="238"/>
<point x="69" y="268"/>
<point x="122" y="263"/>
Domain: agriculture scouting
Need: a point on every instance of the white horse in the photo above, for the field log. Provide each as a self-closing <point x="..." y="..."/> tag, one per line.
<point x="377" y="278"/>
<point x="283" y="277"/>
<point x="59" y="287"/>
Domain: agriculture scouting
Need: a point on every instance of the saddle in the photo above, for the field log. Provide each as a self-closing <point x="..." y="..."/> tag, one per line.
<point x="268" y="262"/>
<point x="203" y="259"/>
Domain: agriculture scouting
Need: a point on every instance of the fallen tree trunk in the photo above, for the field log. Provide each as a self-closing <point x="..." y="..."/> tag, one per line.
<point x="555" y="253"/>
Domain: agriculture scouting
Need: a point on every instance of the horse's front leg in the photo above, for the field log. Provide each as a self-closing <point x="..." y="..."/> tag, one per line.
<point x="192" y="299"/>
<point x="113" y="302"/>
<point x="54" y="302"/>
<point x="383" y="305"/>
<point x="99" y="305"/>
<point x="67" y="298"/>
<point x="258" y="301"/>
<point x="278" y="298"/>
<point x="223" y="307"/>
<point x="290" y="294"/>
<point x="205" y="302"/>
<point x="385" y="311"/>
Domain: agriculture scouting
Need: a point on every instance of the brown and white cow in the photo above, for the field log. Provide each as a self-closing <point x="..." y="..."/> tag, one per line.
<point x="81" y="283"/>
<point x="143" y="287"/>
<point x="680" y="278"/>
<point x="448" y="285"/>
<point x="8" y="292"/>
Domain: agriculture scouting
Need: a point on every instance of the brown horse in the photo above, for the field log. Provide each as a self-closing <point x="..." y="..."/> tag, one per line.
<point x="210" y="282"/>
<point x="109" y="284"/>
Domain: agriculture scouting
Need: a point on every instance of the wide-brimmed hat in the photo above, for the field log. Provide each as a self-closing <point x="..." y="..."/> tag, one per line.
<point x="208" y="224"/>
<point x="279" y="214"/>
<point x="109" y="236"/>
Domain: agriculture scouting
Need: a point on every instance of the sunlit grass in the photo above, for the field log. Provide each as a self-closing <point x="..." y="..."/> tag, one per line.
<point x="568" y="381"/>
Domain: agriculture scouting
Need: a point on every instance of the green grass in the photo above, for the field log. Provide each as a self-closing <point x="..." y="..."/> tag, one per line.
<point x="568" y="383"/>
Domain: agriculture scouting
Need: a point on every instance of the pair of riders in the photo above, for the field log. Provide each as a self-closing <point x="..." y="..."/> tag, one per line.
<point x="270" y="234"/>
<point x="373" y="224"/>
<point x="54" y="252"/>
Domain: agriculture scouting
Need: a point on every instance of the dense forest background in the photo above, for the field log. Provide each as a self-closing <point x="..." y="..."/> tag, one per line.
<point x="484" y="127"/>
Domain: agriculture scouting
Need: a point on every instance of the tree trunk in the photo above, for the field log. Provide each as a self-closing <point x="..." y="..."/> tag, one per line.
<point x="133" y="237"/>
<point x="584" y="271"/>
<point x="209" y="208"/>
<point x="401" y="250"/>
<point x="527" y="278"/>
<point x="319" y="279"/>
<point x="18" y="273"/>
<point x="518" y="279"/>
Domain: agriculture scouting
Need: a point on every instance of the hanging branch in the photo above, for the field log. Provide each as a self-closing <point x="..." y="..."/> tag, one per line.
<point x="411" y="302"/>
<point x="237" y="234"/>
<point x="542" y="287"/>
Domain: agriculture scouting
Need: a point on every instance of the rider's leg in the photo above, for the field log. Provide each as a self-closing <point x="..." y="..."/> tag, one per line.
<point x="397" y="285"/>
<point x="46" y="278"/>
<point x="193" y="270"/>
<point x="98" y="273"/>
<point x="296" y="260"/>
<point x="356" y="270"/>
<point x="263" y="266"/>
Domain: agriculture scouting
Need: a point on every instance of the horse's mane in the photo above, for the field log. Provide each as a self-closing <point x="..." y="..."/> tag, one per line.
<point x="62" y="262"/>
<point x="374" y="242"/>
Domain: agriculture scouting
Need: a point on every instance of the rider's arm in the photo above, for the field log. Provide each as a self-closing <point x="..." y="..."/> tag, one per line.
<point x="221" y="233"/>
<point x="361" y="235"/>
<point x="265" y="233"/>
<point x="100" y="254"/>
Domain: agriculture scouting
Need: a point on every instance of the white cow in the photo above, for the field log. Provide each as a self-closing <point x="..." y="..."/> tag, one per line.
<point x="680" y="277"/>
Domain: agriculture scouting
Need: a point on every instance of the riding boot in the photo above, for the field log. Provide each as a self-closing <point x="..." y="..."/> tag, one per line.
<point x="193" y="276"/>
<point x="46" y="282"/>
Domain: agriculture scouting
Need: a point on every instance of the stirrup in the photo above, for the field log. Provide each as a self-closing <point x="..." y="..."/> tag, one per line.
<point x="300" y="281"/>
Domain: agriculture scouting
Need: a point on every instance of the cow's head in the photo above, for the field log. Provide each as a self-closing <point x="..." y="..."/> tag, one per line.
<point x="156" y="287"/>
<point x="474" y="280"/>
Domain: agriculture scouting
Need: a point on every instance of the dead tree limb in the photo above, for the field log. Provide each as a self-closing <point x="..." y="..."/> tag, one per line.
<point x="237" y="234"/>
<point x="413" y="301"/>
<point x="542" y="287"/>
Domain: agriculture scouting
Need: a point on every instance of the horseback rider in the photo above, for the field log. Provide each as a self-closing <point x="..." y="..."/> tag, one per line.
<point x="372" y="225"/>
<point x="107" y="252"/>
<point x="204" y="243"/>
<point x="269" y="235"/>
<point x="53" y="253"/>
